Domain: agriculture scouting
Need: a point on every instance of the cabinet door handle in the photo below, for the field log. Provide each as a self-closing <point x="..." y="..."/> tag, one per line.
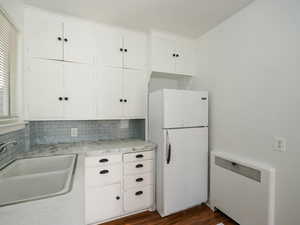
<point x="126" y="50"/>
<point x="138" y="193"/>
<point x="118" y="197"/>
<point x="59" y="38"/>
<point x="66" y="98"/>
<point x="139" y="166"/>
<point x="139" y="156"/>
<point x="103" y="160"/>
<point x="121" y="100"/>
<point x="66" y="40"/>
<point x="121" y="49"/>
<point x="104" y="172"/>
<point x="139" y="179"/>
<point x="174" y="55"/>
<point x="125" y="100"/>
<point x="60" y="98"/>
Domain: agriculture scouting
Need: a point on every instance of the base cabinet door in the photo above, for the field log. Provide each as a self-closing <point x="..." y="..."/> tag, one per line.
<point x="102" y="203"/>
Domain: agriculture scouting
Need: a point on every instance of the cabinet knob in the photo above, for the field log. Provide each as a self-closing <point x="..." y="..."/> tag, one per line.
<point x="121" y="49"/>
<point x="125" y="100"/>
<point x="139" y="179"/>
<point x="66" y="40"/>
<point x="139" y="156"/>
<point x="138" y="193"/>
<point x="104" y="172"/>
<point x="59" y="38"/>
<point x="139" y="166"/>
<point x="174" y="55"/>
<point x="66" y="98"/>
<point x="118" y="197"/>
<point x="103" y="160"/>
<point x="125" y="50"/>
<point x="60" y="98"/>
<point x="177" y="55"/>
<point x="121" y="100"/>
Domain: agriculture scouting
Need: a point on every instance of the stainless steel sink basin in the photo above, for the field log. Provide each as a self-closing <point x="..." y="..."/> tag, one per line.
<point x="35" y="178"/>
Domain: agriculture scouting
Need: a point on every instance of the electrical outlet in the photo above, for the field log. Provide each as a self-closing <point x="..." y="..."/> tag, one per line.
<point x="124" y="124"/>
<point x="74" y="132"/>
<point x="279" y="144"/>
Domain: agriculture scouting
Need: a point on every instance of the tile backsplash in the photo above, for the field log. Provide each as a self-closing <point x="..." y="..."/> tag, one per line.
<point x="22" y="139"/>
<point x="53" y="132"/>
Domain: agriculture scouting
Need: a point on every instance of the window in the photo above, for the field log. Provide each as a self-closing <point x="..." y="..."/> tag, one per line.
<point x="8" y="59"/>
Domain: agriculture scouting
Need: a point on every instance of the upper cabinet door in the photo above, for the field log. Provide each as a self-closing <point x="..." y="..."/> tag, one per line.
<point x="79" y="91"/>
<point x="109" y="92"/>
<point x="185" y="58"/>
<point x="135" y="51"/>
<point x="135" y="92"/>
<point x="78" y="41"/>
<point x="43" y="35"/>
<point x="109" y="48"/>
<point x="44" y="89"/>
<point x="162" y="58"/>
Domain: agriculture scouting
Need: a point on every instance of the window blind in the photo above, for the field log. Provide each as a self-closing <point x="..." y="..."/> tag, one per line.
<point x="8" y="54"/>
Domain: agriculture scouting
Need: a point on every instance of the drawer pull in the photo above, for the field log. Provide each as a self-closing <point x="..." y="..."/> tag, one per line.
<point x="139" y="179"/>
<point x="104" y="172"/>
<point x="139" y="156"/>
<point x="118" y="197"/>
<point x="139" y="166"/>
<point x="103" y="160"/>
<point x="138" y="193"/>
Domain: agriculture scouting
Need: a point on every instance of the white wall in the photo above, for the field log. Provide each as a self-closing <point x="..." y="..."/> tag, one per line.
<point x="251" y="65"/>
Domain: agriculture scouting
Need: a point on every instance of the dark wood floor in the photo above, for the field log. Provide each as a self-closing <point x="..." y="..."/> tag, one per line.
<point x="200" y="215"/>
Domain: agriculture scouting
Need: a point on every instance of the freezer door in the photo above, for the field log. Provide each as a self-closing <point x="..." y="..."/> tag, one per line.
<point x="185" y="108"/>
<point x="185" y="169"/>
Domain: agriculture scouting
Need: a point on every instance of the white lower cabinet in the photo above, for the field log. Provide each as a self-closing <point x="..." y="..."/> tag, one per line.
<point x="116" y="187"/>
<point x="103" y="203"/>
<point x="138" y="198"/>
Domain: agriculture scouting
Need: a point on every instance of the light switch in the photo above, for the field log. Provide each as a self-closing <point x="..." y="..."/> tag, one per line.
<point x="74" y="132"/>
<point x="279" y="144"/>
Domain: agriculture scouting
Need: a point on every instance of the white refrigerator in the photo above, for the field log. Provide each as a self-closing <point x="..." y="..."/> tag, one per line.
<point x="178" y="124"/>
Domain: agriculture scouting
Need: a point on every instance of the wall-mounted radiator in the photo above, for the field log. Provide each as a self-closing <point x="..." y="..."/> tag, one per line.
<point x="242" y="189"/>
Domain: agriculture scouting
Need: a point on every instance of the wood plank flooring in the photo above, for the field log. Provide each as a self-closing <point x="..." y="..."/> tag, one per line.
<point x="200" y="215"/>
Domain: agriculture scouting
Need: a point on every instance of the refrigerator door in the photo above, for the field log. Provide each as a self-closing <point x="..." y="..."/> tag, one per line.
<point x="185" y="169"/>
<point x="185" y="108"/>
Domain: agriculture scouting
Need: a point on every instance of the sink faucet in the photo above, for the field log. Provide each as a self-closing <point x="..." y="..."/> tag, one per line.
<point x="3" y="146"/>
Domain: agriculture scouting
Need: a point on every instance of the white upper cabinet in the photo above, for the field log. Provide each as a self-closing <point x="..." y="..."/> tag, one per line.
<point x="135" y="51"/>
<point x="78" y="41"/>
<point x="162" y="55"/>
<point x="50" y="36"/>
<point x="79" y="91"/>
<point x="135" y="93"/>
<point x="121" y="49"/>
<point x="44" y="89"/>
<point x="173" y="56"/>
<point x="109" y="91"/>
<point x="43" y="35"/>
<point x="121" y="93"/>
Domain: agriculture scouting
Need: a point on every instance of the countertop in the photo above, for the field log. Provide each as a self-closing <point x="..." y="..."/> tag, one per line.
<point x="66" y="209"/>
<point x="90" y="148"/>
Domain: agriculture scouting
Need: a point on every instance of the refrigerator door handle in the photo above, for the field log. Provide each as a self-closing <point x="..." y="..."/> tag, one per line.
<point x="169" y="149"/>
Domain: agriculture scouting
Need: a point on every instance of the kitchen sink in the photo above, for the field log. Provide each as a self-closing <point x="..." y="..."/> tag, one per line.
<point x="36" y="178"/>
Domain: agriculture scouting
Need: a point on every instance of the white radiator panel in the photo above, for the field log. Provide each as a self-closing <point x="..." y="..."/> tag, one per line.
<point x="243" y="189"/>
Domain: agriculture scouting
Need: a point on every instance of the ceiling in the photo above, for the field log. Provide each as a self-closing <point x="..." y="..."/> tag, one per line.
<point x="190" y="18"/>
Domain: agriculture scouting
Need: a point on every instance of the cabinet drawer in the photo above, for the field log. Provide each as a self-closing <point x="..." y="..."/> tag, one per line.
<point x="100" y="176"/>
<point x="138" y="180"/>
<point x="138" y="156"/>
<point x="138" y="167"/>
<point x="102" y="203"/>
<point x="94" y="161"/>
<point x="138" y="198"/>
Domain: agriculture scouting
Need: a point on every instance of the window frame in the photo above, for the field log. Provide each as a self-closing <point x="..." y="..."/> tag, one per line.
<point x="12" y="118"/>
